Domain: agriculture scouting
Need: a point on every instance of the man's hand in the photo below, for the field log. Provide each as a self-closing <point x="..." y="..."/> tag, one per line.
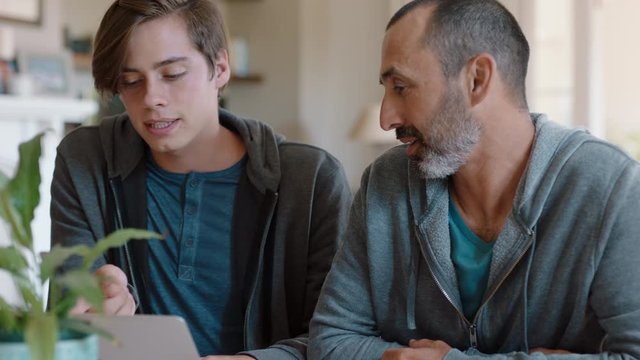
<point x="228" y="357"/>
<point x="117" y="298"/>
<point x="549" y="351"/>
<point x="424" y="349"/>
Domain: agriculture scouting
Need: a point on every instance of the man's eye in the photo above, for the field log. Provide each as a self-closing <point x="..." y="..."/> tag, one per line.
<point x="398" y="89"/>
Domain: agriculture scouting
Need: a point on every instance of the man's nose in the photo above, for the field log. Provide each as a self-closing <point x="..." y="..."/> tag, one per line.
<point x="389" y="115"/>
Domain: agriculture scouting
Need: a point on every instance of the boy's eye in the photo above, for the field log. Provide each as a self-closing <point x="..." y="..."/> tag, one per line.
<point x="129" y="81"/>
<point x="174" y="76"/>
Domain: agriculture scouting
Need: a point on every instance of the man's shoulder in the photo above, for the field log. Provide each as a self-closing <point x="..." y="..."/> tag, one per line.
<point x="594" y="152"/>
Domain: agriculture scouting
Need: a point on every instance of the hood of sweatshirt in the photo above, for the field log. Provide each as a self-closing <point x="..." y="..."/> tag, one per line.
<point x="124" y="148"/>
<point x="553" y="146"/>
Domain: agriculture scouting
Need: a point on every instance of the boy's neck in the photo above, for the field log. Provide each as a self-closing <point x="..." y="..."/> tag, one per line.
<point x="213" y="152"/>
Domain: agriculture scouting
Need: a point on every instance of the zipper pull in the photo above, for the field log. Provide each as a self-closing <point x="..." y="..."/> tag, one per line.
<point x="473" y="336"/>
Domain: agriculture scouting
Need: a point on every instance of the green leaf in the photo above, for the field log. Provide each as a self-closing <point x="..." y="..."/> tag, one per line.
<point x="4" y="180"/>
<point x="24" y="185"/>
<point x="41" y="334"/>
<point x="57" y="256"/>
<point x="12" y="260"/>
<point x="9" y="212"/>
<point x="28" y="292"/>
<point x="62" y="305"/>
<point x="116" y="239"/>
<point x="82" y="284"/>
<point x="8" y="317"/>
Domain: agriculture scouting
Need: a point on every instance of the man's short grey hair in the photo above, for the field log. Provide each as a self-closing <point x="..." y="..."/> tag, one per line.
<point x="461" y="29"/>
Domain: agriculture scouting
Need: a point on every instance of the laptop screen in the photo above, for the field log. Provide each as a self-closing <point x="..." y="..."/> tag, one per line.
<point x="144" y="337"/>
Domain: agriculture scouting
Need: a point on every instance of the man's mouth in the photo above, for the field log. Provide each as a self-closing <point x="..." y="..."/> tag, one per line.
<point x="408" y="140"/>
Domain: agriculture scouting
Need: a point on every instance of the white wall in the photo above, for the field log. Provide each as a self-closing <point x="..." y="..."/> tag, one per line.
<point x="319" y="60"/>
<point x="340" y="60"/>
<point x="46" y="37"/>
<point x="83" y="16"/>
<point x="271" y="29"/>
<point x="621" y="59"/>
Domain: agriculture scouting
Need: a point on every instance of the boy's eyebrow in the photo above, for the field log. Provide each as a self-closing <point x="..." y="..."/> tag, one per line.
<point x="159" y="64"/>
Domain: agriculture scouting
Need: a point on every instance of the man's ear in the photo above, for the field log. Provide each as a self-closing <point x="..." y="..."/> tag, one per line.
<point x="222" y="71"/>
<point x="480" y="71"/>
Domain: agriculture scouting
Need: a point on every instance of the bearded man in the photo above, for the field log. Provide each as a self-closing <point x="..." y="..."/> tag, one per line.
<point x="493" y="232"/>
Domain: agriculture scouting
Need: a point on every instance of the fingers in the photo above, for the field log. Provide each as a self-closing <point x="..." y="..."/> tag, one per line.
<point x="406" y="354"/>
<point x="118" y="299"/>
<point x="80" y="307"/>
<point x="121" y="304"/>
<point x="421" y="343"/>
<point x="113" y="273"/>
<point x="549" y="351"/>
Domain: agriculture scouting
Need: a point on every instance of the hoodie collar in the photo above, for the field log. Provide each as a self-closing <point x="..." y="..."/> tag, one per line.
<point x="124" y="149"/>
<point x="552" y="147"/>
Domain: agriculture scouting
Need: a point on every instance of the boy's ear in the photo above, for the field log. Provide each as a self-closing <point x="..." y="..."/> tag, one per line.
<point x="222" y="70"/>
<point x="479" y="75"/>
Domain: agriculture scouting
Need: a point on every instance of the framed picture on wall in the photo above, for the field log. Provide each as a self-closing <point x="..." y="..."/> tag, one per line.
<point x="23" y="11"/>
<point x="50" y="74"/>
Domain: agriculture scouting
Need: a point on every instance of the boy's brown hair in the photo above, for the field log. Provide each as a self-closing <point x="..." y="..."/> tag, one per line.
<point x="202" y="17"/>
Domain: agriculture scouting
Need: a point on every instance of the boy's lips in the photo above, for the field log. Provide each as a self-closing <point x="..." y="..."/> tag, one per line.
<point x="161" y="126"/>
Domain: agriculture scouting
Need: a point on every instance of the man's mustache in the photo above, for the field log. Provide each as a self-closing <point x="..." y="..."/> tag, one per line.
<point x="408" y="131"/>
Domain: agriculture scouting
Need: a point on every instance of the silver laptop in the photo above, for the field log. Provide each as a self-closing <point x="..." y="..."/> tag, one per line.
<point x="142" y="337"/>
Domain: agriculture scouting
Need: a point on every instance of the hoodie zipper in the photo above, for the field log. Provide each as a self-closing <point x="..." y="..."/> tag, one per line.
<point x="471" y="327"/>
<point x="126" y="258"/>
<point x="473" y="338"/>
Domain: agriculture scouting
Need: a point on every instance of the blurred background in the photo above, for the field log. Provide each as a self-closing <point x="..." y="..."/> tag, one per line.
<point x="310" y="69"/>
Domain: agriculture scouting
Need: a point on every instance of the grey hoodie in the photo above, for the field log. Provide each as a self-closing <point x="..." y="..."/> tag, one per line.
<point x="563" y="275"/>
<point x="291" y="209"/>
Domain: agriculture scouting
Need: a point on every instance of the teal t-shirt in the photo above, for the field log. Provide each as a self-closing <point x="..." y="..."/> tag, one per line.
<point x="195" y="270"/>
<point x="471" y="258"/>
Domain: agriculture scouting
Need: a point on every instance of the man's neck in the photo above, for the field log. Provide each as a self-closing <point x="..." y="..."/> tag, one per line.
<point x="484" y="188"/>
<point x="215" y="150"/>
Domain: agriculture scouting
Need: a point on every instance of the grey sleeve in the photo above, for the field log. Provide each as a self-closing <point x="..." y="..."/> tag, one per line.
<point x="344" y="325"/>
<point x="70" y="224"/>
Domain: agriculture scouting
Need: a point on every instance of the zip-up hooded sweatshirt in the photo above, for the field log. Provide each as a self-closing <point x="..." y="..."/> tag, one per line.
<point x="290" y="211"/>
<point x="564" y="272"/>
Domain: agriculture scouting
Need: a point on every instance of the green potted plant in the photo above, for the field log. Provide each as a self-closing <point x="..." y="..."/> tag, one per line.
<point x="33" y="330"/>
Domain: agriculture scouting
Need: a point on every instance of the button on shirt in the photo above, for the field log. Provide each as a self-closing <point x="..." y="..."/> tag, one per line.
<point x="193" y="271"/>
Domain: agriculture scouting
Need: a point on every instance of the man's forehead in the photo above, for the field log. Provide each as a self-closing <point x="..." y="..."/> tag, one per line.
<point x="412" y="25"/>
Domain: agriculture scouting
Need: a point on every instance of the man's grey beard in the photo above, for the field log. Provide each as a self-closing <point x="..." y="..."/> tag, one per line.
<point x="452" y="136"/>
<point x="436" y="165"/>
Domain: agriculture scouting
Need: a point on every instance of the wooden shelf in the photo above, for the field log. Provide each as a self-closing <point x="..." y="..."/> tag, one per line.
<point x="19" y="108"/>
<point x="82" y="61"/>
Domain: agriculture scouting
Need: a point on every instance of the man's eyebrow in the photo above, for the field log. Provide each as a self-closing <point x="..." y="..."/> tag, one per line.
<point x="159" y="64"/>
<point x="387" y="74"/>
